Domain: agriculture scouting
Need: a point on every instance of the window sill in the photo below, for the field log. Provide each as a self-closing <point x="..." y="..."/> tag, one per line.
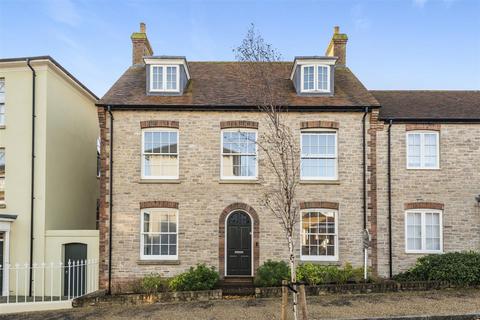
<point x="422" y="169"/>
<point x="320" y="182"/>
<point x="423" y="252"/>
<point x="3" y="205"/>
<point x="154" y="181"/>
<point x="158" y="262"/>
<point x="3" y="127"/>
<point x="323" y="262"/>
<point x="239" y="181"/>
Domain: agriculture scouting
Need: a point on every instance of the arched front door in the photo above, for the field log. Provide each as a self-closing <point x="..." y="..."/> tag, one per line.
<point x="239" y="244"/>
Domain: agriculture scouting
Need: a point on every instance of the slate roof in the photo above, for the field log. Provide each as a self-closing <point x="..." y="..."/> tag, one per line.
<point x="429" y="105"/>
<point x="220" y="84"/>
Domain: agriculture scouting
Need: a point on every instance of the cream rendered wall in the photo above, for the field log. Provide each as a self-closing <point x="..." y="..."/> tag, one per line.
<point x="70" y="205"/>
<point x="71" y="174"/>
<point x="16" y="139"/>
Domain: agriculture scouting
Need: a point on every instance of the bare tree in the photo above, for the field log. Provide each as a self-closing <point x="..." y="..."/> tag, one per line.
<point x="259" y="66"/>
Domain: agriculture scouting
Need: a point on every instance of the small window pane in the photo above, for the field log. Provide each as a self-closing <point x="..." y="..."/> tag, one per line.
<point x="159" y="233"/>
<point x="157" y="78"/>
<point x="308" y="78"/>
<point x="318" y="233"/>
<point x="239" y="154"/>
<point x="322" y="78"/>
<point x="172" y="78"/>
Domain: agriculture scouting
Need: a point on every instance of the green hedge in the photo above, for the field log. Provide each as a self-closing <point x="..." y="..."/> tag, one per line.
<point x="199" y="278"/>
<point x="461" y="268"/>
<point x="271" y="274"/>
<point x="316" y="274"/>
<point x="153" y="283"/>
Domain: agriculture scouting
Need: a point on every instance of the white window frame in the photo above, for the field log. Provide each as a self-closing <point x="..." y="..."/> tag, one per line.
<point x="238" y="130"/>
<point x="315" y="78"/>
<point x="422" y="144"/>
<point x="423" y="227"/>
<point x="336" y="235"/>
<point x="164" y="77"/>
<point x="142" y="156"/>
<point x="319" y="131"/>
<point x="142" y="233"/>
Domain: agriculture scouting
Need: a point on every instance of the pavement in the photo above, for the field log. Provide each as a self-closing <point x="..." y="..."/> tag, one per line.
<point x="437" y="305"/>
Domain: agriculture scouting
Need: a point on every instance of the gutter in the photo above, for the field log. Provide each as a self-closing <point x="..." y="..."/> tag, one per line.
<point x="254" y="108"/>
<point x="32" y="198"/>
<point x="110" y="203"/>
<point x="389" y="179"/>
<point x="432" y="120"/>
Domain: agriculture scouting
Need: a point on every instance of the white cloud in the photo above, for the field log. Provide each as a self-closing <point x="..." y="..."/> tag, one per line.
<point x="64" y="11"/>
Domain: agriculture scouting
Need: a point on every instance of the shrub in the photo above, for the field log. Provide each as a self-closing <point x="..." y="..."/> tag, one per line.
<point x="315" y="274"/>
<point x="461" y="268"/>
<point x="199" y="278"/>
<point x="153" y="283"/>
<point x="271" y="274"/>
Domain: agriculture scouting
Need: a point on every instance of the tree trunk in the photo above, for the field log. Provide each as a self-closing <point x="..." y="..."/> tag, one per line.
<point x="293" y="276"/>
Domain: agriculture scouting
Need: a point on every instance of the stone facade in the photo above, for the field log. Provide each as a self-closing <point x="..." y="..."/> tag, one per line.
<point x="452" y="189"/>
<point x="202" y="196"/>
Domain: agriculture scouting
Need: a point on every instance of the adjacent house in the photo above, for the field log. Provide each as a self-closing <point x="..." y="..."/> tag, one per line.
<point x="182" y="179"/>
<point x="49" y="184"/>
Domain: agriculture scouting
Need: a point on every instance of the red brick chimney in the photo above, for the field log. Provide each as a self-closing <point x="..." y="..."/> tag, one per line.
<point x="140" y="45"/>
<point x="338" y="46"/>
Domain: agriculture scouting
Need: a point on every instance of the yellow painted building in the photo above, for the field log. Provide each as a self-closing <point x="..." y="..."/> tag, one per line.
<point x="37" y="95"/>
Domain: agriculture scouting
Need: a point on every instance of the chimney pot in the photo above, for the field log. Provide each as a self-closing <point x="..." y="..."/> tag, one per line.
<point x="143" y="27"/>
<point x="336" y="29"/>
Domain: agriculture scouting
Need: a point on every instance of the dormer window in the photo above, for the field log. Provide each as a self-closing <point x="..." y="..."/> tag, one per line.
<point x="315" y="78"/>
<point x="164" y="78"/>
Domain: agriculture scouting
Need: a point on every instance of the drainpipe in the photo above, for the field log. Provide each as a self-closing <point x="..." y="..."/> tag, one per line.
<point x="364" y="163"/>
<point x="32" y="198"/>
<point x="110" y="204"/>
<point x="389" y="176"/>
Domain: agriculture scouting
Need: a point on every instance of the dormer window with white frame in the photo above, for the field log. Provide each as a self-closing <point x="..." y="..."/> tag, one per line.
<point x="164" y="78"/>
<point x="315" y="78"/>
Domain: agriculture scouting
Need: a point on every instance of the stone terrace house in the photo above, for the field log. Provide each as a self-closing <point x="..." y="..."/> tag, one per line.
<point x="182" y="181"/>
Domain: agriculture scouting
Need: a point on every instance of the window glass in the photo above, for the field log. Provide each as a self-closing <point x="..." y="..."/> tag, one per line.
<point x="423" y="231"/>
<point x="160" y="154"/>
<point x="422" y="150"/>
<point x="239" y="154"/>
<point x="171" y="78"/>
<point x="318" y="155"/>
<point x="157" y="78"/>
<point x="159" y="233"/>
<point x="319" y="234"/>
<point x="322" y="78"/>
<point x="308" y="78"/>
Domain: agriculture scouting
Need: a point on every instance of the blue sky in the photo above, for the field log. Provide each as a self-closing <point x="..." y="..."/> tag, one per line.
<point x="408" y="44"/>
